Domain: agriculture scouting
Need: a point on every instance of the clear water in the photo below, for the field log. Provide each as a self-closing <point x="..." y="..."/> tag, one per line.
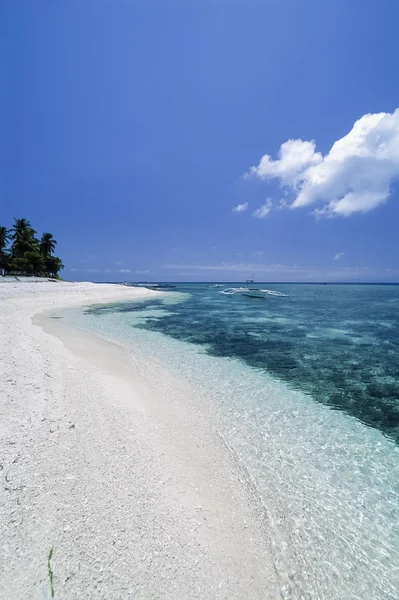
<point x="307" y="390"/>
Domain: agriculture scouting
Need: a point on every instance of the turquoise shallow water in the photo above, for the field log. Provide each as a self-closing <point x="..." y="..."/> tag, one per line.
<point x="307" y="394"/>
<point x="338" y="342"/>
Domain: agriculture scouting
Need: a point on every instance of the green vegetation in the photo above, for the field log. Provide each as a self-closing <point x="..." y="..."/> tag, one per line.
<point x="50" y="572"/>
<point x="26" y="254"/>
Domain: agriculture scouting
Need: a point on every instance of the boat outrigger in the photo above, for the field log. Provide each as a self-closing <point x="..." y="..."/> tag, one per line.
<point x="251" y="291"/>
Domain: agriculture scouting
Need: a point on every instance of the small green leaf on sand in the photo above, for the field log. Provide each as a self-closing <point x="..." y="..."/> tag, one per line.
<point x="50" y="572"/>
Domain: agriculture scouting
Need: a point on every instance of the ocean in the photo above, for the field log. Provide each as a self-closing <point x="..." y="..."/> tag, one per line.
<point x="306" y="387"/>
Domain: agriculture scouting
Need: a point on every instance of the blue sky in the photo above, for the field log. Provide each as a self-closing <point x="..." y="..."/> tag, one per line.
<point x="129" y="127"/>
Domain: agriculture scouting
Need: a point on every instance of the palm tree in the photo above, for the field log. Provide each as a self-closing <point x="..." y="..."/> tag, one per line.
<point x="19" y="226"/>
<point x="4" y="237"/>
<point x="47" y="244"/>
<point x="23" y="238"/>
<point x="53" y="264"/>
<point x="28" y="255"/>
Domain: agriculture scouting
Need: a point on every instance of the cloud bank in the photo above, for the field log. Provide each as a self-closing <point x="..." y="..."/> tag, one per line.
<point x="355" y="176"/>
<point x="282" y="272"/>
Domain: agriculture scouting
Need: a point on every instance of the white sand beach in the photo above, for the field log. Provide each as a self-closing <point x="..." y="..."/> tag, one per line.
<point x="114" y="466"/>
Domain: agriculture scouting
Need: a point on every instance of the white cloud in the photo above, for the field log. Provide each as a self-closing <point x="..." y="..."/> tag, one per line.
<point x="293" y="158"/>
<point x="241" y="207"/>
<point x="264" y="210"/>
<point x="142" y="271"/>
<point x="94" y="270"/>
<point x="124" y="271"/>
<point x="354" y="176"/>
<point x="339" y="255"/>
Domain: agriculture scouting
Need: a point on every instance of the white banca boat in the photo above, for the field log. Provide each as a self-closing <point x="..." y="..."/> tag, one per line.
<point x="251" y="291"/>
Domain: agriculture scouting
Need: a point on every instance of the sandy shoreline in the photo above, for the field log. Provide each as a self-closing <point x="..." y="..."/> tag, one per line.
<point x="115" y="466"/>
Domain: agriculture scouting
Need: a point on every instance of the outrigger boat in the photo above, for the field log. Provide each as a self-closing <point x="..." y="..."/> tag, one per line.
<point x="250" y="291"/>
